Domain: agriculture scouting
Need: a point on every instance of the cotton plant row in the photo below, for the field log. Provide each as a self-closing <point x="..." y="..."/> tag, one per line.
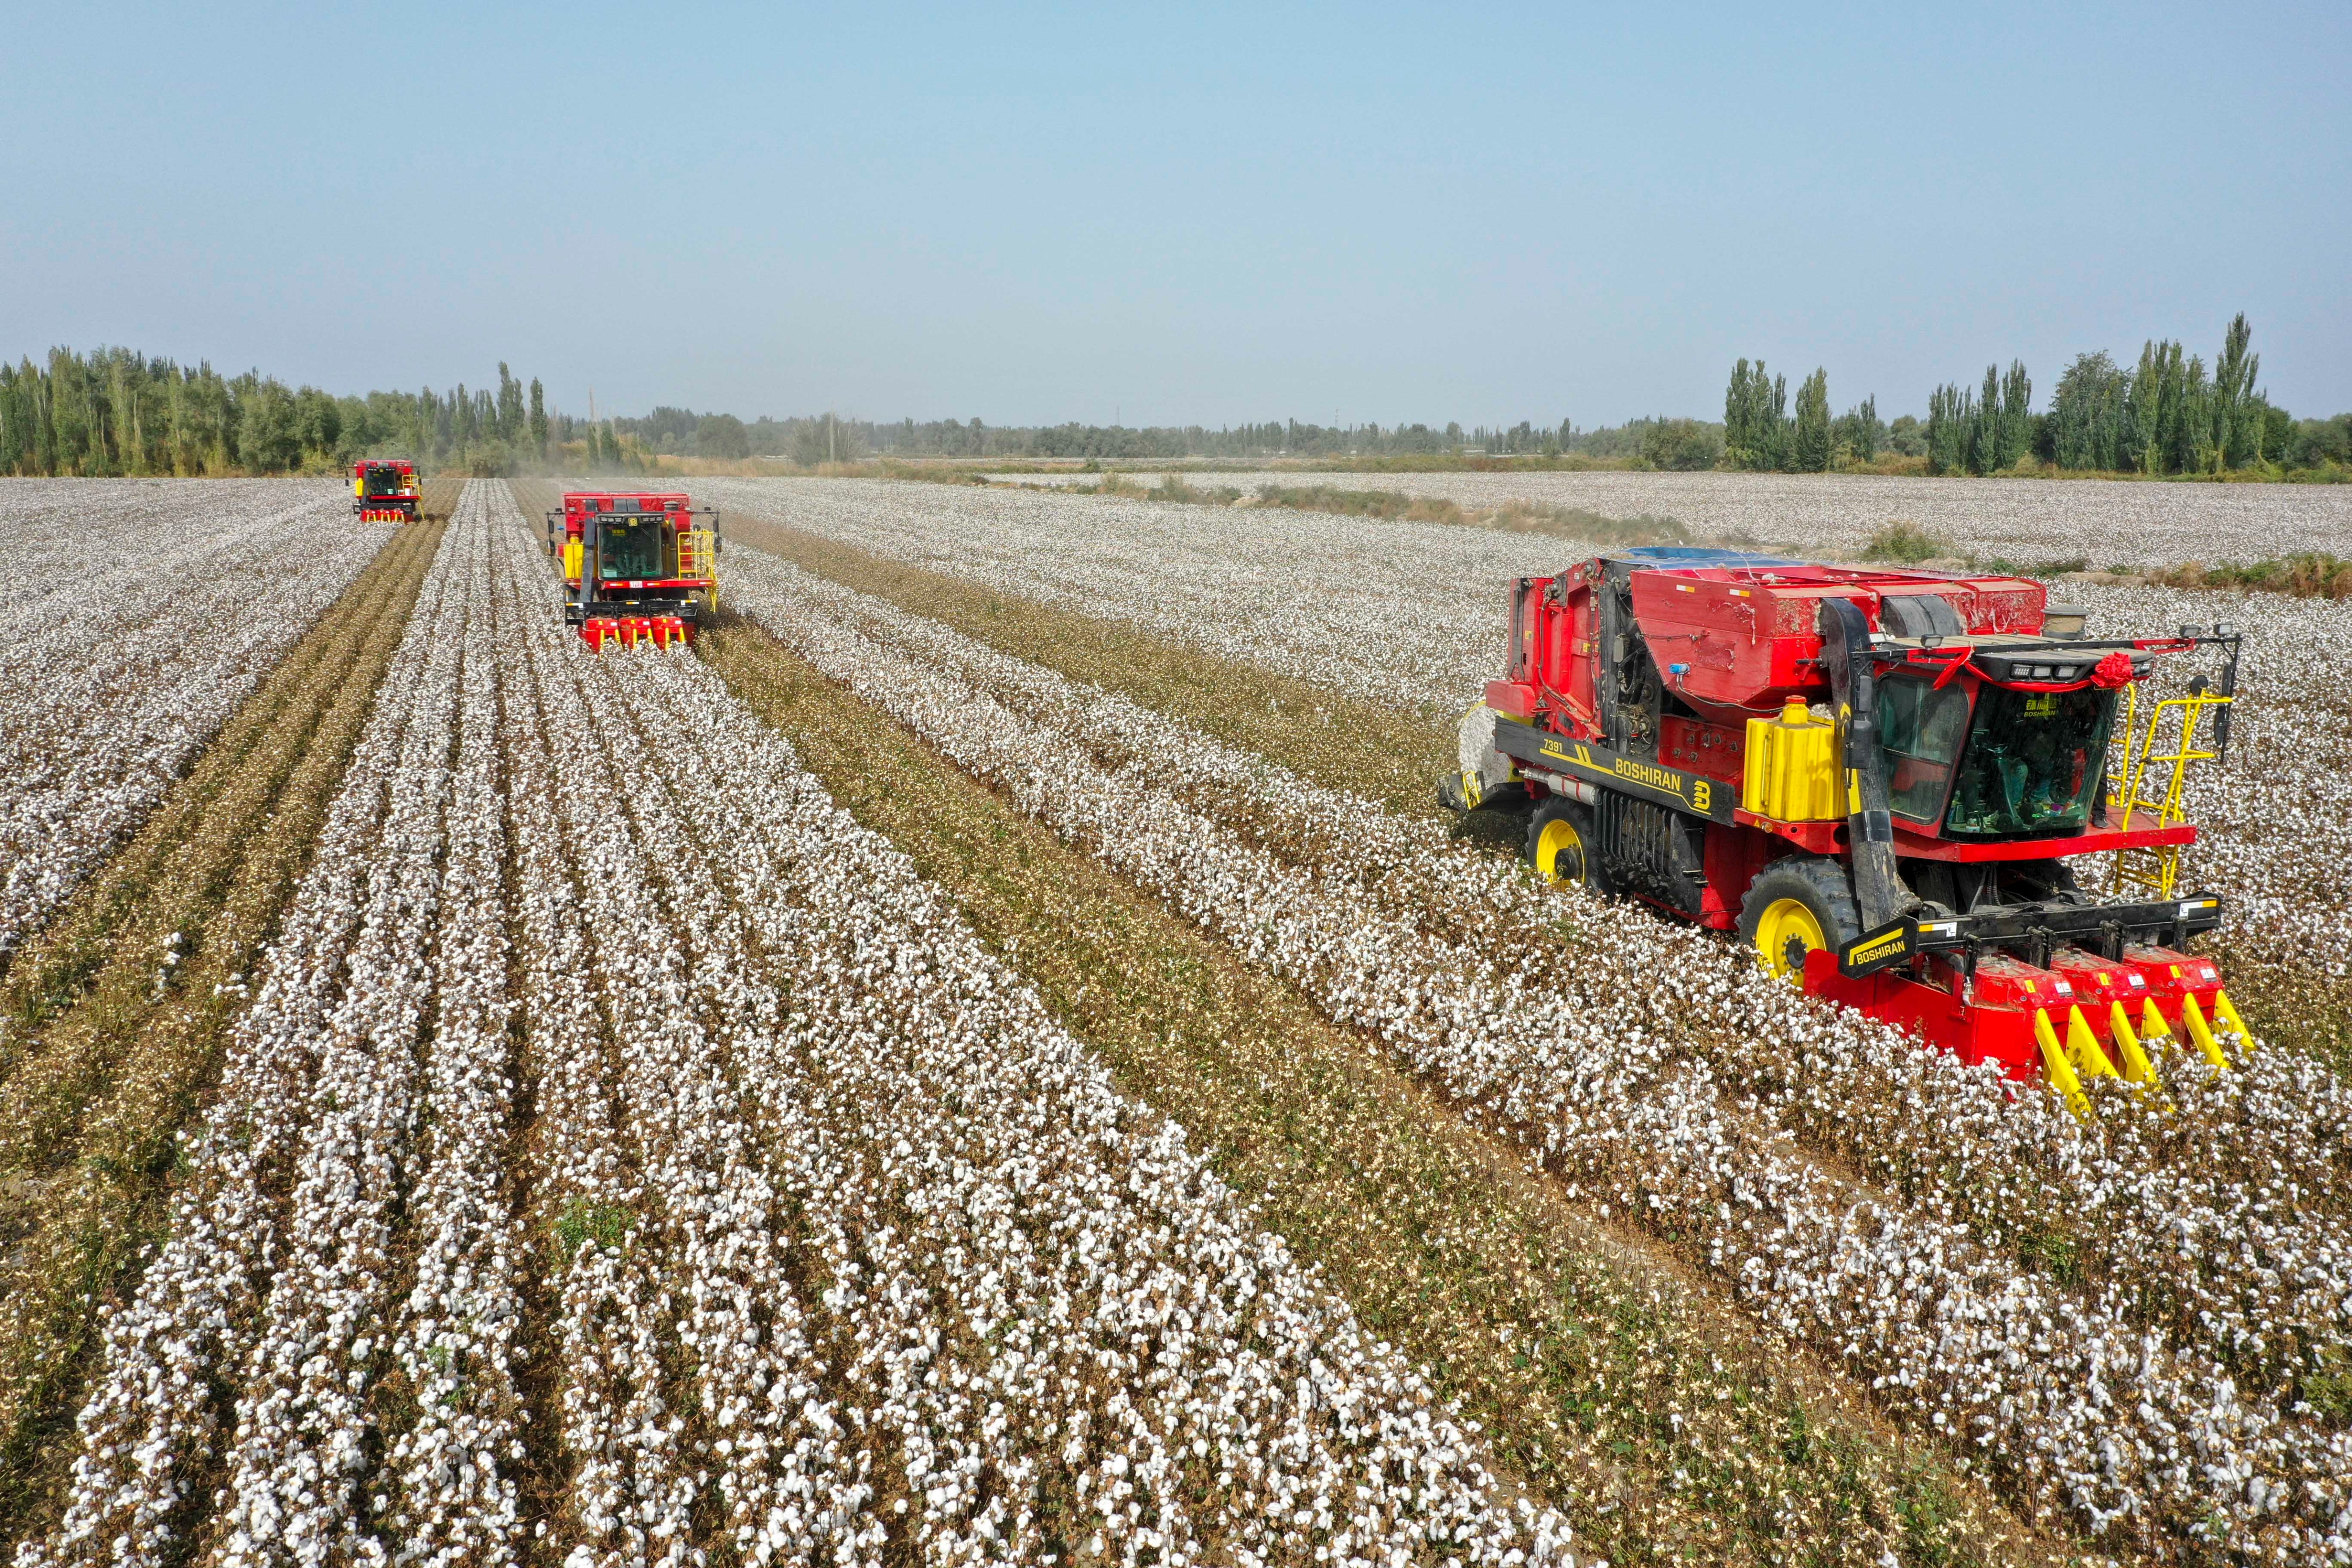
<point x="2109" y="522"/>
<point x="414" y="1037"/>
<point x="844" y="1243"/>
<point x="134" y="617"/>
<point x="2222" y="1219"/>
<point x="2060" y="1398"/>
<point x="697" y="1260"/>
<point x="448" y="1494"/>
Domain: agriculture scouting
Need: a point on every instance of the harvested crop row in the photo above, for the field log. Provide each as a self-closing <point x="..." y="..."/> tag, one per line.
<point x="857" y="1251"/>
<point x="439" y="497"/>
<point x="1340" y="742"/>
<point x="1641" y="1404"/>
<point x="1955" y="1337"/>
<point x="135" y="615"/>
<point x="116" y="1013"/>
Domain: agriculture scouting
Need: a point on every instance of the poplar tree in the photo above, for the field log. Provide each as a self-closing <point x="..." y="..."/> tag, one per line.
<point x="1809" y="438"/>
<point x="1951" y="420"/>
<point x="2016" y="435"/>
<point x="509" y="407"/>
<point x="2241" y="412"/>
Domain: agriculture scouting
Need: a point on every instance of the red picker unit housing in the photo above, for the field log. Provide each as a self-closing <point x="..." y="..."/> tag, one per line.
<point x="1879" y="778"/>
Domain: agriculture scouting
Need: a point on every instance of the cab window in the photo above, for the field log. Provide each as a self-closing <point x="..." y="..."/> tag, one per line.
<point x="1920" y="730"/>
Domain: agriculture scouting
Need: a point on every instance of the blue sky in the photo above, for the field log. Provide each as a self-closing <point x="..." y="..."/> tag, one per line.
<point x="1207" y="215"/>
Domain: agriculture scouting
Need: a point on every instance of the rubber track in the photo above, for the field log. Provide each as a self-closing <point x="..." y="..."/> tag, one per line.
<point x="111" y="1031"/>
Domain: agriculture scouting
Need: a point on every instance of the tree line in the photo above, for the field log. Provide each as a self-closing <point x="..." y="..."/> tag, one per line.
<point x="116" y="412"/>
<point x="2166" y="415"/>
<point x="818" y="438"/>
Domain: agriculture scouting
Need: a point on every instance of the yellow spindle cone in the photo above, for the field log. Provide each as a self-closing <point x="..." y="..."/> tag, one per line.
<point x="2136" y="1067"/>
<point x="2201" y="1033"/>
<point x="2084" y="1046"/>
<point x="2060" y="1070"/>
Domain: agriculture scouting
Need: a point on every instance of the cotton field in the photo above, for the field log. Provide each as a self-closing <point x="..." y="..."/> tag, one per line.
<point x="818" y="1242"/>
<point x="592" y="1142"/>
<point x="1408" y="614"/>
<point x="134" y="615"/>
<point x="2109" y="522"/>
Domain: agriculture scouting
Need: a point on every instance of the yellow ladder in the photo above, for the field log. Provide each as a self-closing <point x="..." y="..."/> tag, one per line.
<point x="696" y="553"/>
<point x="2158" y="868"/>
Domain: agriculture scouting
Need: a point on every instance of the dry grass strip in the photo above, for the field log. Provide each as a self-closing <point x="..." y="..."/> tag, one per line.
<point x="112" y="1022"/>
<point x="1615" y="1382"/>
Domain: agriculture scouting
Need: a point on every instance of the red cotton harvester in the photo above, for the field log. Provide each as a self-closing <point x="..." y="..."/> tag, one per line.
<point x="383" y="490"/>
<point x="1879" y="778"/>
<point x="637" y="570"/>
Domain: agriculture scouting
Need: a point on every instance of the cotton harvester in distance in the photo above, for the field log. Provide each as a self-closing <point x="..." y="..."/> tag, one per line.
<point x="383" y="490"/>
<point x="639" y="569"/>
<point x="1880" y="779"/>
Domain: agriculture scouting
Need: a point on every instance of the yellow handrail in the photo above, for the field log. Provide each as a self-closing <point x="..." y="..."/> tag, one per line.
<point x="696" y="554"/>
<point x="2158" y="868"/>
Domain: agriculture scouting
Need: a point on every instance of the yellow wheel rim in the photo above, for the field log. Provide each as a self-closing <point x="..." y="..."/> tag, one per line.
<point x="1559" y="834"/>
<point x="1786" y="933"/>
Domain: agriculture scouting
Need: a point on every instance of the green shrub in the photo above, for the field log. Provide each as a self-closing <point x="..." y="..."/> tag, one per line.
<point x="1903" y="541"/>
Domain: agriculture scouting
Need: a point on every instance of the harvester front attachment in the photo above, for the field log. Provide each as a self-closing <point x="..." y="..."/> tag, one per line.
<point x="2074" y="1017"/>
<point x="635" y="631"/>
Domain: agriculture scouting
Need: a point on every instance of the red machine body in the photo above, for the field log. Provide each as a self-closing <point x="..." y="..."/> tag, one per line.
<point x="383" y="490"/>
<point x="1876" y="775"/>
<point x="638" y="568"/>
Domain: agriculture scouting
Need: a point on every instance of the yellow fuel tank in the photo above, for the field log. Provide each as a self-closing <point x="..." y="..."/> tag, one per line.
<point x="1792" y="773"/>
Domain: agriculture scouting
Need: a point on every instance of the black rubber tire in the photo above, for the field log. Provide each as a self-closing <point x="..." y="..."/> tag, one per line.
<point x="1816" y="881"/>
<point x="1579" y="816"/>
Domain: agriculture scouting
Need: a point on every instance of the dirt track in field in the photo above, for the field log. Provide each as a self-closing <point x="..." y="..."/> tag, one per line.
<point x="115" y="1015"/>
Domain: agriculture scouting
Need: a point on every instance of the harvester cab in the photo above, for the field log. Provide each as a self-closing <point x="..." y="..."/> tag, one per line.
<point x="639" y="570"/>
<point x="383" y="490"/>
<point x="1881" y="779"/>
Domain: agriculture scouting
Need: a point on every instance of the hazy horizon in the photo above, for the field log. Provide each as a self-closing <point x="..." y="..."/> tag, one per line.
<point x="1045" y="215"/>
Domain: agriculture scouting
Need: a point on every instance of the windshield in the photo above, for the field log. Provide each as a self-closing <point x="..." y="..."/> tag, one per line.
<point x="629" y="549"/>
<point x="2033" y="764"/>
<point x="1920" y="730"/>
<point x="382" y="480"/>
